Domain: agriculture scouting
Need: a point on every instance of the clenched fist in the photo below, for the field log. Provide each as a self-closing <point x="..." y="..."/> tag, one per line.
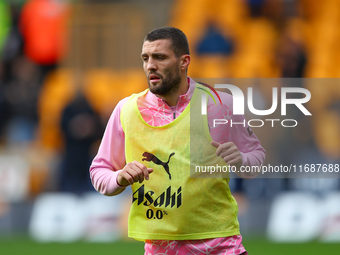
<point x="133" y="172"/>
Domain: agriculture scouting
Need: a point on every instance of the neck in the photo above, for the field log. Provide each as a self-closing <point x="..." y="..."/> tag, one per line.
<point x="172" y="98"/>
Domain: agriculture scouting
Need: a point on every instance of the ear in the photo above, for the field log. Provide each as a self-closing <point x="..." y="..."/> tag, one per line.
<point x="185" y="61"/>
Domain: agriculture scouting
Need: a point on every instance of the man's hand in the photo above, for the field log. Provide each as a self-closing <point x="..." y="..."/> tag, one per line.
<point x="133" y="172"/>
<point x="229" y="152"/>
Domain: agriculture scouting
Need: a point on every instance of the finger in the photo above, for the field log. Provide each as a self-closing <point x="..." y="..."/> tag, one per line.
<point x="233" y="159"/>
<point x="144" y="170"/>
<point x="215" y="144"/>
<point x="148" y="171"/>
<point x="143" y="173"/>
<point x="134" y="171"/>
<point x="139" y="164"/>
<point x="234" y="162"/>
<point x="135" y="175"/>
<point x="229" y="159"/>
<point x="225" y="152"/>
<point x="229" y="152"/>
<point x="224" y="148"/>
<point x="127" y="178"/>
<point x="226" y="159"/>
<point x="138" y="173"/>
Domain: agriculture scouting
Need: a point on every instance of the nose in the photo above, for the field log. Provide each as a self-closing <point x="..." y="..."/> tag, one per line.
<point x="151" y="64"/>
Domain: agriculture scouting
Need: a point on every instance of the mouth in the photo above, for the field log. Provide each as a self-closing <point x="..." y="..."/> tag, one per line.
<point x="153" y="78"/>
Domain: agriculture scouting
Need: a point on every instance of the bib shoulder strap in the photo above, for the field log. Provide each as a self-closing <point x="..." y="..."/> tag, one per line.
<point x="129" y="106"/>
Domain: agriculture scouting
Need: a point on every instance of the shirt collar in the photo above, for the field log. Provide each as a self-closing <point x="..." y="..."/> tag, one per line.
<point x="185" y="98"/>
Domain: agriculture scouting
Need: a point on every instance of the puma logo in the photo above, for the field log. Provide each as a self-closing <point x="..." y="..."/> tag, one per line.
<point x="150" y="157"/>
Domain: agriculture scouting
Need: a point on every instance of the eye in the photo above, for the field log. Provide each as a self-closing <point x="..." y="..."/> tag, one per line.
<point x="144" y="57"/>
<point x="160" y="57"/>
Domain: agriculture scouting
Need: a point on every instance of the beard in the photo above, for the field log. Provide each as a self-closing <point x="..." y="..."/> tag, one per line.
<point x="169" y="82"/>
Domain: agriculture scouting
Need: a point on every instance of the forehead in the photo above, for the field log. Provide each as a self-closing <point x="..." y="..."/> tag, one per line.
<point x="157" y="46"/>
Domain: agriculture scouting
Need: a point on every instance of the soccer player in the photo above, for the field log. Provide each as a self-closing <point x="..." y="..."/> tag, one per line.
<point x="146" y="145"/>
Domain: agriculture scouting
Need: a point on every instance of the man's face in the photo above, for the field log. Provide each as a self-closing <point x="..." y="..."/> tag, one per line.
<point x="161" y="67"/>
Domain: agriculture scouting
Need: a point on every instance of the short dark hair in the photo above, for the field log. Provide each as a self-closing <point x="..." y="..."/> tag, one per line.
<point x="178" y="39"/>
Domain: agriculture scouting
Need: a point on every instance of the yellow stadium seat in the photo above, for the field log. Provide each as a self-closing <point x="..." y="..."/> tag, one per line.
<point x="57" y="91"/>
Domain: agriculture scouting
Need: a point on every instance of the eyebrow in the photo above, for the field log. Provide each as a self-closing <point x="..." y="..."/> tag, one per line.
<point x="154" y="54"/>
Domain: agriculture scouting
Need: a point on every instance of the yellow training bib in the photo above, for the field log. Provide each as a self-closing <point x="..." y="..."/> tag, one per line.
<point x="171" y="205"/>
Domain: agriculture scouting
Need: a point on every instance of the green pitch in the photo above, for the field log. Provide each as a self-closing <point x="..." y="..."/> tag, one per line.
<point x="24" y="246"/>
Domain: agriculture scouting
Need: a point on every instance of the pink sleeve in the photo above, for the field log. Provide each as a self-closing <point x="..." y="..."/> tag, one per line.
<point x="110" y="158"/>
<point x="239" y="133"/>
<point x="253" y="154"/>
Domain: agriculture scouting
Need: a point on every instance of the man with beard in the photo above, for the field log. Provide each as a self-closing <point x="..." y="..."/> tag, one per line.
<point x="146" y="145"/>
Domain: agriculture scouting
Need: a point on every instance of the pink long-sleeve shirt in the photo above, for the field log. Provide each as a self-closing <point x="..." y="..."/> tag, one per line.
<point x="110" y="158"/>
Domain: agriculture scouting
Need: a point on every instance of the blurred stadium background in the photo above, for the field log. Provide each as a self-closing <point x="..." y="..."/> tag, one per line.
<point x="65" y="65"/>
